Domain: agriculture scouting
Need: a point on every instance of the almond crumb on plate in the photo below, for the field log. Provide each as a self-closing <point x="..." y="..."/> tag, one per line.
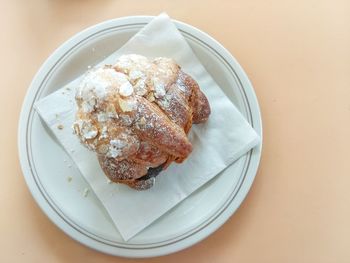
<point x="86" y="192"/>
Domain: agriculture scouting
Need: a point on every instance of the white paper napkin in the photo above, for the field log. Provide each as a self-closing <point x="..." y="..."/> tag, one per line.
<point x="216" y="144"/>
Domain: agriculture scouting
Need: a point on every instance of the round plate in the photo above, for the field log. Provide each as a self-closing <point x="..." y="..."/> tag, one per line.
<point x="46" y="166"/>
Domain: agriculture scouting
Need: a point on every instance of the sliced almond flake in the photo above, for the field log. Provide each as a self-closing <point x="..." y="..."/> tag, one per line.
<point x="151" y="97"/>
<point x="111" y="112"/>
<point x="126" y="89"/>
<point x="159" y="90"/>
<point x="140" y="87"/>
<point x="103" y="149"/>
<point x="86" y="192"/>
<point x="102" y="117"/>
<point x="136" y="74"/>
<point x="126" y="105"/>
<point x="87" y="130"/>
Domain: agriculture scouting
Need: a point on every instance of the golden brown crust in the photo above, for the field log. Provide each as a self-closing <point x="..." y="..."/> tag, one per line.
<point x="161" y="131"/>
<point x="121" y="170"/>
<point x="136" y="115"/>
<point x="199" y="102"/>
<point x="125" y="172"/>
<point x="149" y="155"/>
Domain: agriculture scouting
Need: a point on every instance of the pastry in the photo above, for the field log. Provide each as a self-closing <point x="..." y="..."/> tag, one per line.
<point x="136" y="115"/>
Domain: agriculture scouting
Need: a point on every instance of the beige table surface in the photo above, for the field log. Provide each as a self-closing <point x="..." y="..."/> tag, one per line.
<point x="297" y="55"/>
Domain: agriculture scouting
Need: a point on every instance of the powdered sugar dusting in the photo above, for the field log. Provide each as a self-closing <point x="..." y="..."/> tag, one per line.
<point x="126" y="119"/>
<point x="104" y="133"/>
<point x="97" y="84"/>
<point x="115" y="148"/>
<point x="127" y="105"/>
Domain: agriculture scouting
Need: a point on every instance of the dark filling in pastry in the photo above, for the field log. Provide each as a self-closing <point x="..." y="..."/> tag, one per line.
<point x="152" y="172"/>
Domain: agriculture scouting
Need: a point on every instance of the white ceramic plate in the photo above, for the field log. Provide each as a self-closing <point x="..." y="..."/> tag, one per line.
<point x="46" y="166"/>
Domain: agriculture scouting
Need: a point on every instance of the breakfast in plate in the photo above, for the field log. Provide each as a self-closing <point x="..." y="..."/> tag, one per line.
<point x="136" y="115"/>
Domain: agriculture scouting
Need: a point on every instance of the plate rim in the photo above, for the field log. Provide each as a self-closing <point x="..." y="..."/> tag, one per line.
<point x="184" y="243"/>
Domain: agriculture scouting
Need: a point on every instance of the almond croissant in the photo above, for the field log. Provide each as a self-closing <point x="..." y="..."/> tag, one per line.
<point x="136" y="116"/>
